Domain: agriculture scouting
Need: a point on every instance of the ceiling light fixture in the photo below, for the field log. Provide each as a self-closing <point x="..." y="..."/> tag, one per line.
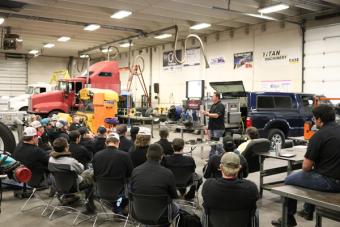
<point x="121" y="14"/>
<point x="163" y="36"/>
<point x="126" y="45"/>
<point x="2" y="20"/>
<point x="260" y="16"/>
<point x="273" y="8"/>
<point x="19" y="40"/>
<point x="91" y="27"/>
<point x="64" y="39"/>
<point x="84" y="56"/>
<point x="200" y="26"/>
<point x="49" y="45"/>
<point x="106" y="50"/>
<point x="34" y="52"/>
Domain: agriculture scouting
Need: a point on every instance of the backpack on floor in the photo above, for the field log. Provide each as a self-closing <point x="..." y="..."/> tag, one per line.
<point x="188" y="220"/>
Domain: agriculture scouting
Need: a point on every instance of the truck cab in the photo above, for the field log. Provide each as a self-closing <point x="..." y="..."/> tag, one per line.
<point x="104" y="75"/>
<point x="20" y="103"/>
<point x="277" y="115"/>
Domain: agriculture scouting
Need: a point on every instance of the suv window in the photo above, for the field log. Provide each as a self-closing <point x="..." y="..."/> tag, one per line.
<point x="272" y="102"/>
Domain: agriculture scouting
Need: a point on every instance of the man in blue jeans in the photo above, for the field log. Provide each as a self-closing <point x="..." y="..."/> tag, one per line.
<point x="216" y="126"/>
<point x="321" y="166"/>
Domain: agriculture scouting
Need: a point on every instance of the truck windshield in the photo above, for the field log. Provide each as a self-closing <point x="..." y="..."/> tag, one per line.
<point x="62" y="85"/>
<point x="29" y="90"/>
<point x="84" y="73"/>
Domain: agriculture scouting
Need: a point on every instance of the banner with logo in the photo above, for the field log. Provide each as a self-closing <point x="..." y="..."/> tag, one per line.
<point x="243" y="60"/>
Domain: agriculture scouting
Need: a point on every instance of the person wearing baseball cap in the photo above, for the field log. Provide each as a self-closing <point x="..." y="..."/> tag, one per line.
<point x="100" y="139"/>
<point x="61" y="130"/>
<point x="28" y="153"/>
<point x="229" y="192"/>
<point x="125" y="144"/>
<point x="42" y="136"/>
<point x="113" y="163"/>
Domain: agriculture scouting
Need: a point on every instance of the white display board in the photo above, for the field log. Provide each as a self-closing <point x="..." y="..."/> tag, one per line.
<point x="195" y="88"/>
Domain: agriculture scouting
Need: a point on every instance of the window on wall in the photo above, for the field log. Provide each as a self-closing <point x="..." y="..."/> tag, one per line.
<point x="274" y="102"/>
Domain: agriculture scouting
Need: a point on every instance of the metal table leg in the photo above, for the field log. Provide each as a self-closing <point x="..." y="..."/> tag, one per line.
<point x="284" y="218"/>
<point x="289" y="167"/>
<point x="182" y="132"/>
<point x="261" y="160"/>
<point x="202" y="137"/>
<point x="151" y="128"/>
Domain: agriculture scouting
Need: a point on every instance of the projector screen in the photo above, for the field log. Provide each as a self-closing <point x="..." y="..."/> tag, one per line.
<point x="195" y="89"/>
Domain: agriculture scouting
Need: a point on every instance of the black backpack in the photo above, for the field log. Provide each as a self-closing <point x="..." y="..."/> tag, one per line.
<point x="188" y="220"/>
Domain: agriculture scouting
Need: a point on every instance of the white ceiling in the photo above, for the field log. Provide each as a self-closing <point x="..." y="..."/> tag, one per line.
<point x="43" y="21"/>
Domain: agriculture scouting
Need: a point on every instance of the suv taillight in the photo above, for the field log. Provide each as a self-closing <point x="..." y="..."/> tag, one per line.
<point x="249" y="122"/>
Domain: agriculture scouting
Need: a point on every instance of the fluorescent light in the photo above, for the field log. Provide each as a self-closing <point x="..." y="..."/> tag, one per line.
<point x="121" y="14"/>
<point x="2" y="20"/>
<point x="273" y="8"/>
<point x="125" y="45"/>
<point x="91" y="27"/>
<point x="260" y="16"/>
<point x="64" y="39"/>
<point x="163" y="36"/>
<point x="19" y="40"/>
<point x="106" y="50"/>
<point x="49" y="45"/>
<point x="84" y="56"/>
<point x="33" y="52"/>
<point x="200" y="26"/>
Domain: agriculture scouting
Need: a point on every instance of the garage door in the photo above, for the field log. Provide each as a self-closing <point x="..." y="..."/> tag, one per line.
<point x="13" y="76"/>
<point x="322" y="62"/>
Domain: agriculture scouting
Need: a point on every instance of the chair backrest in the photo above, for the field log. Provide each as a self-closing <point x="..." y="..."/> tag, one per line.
<point x="183" y="175"/>
<point x="150" y="209"/>
<point x="65" y="181"/>
<point x="36" y="180"/>
<point x="109" y="188"/>
<point x="239" y="218"/>
<point x="251" y="153"/>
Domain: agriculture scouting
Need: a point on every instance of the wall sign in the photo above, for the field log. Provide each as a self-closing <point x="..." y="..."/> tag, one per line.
<point x="243" y="60"/>
<point x="193" y="57"/>
<point x="217" y="60"/>
<point x="169" y="62"/>
<point x="273" y="55"/>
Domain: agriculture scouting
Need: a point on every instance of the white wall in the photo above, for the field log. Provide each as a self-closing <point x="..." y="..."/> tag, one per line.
<point x="40" y="69"/>
<point x="273" y="37"/>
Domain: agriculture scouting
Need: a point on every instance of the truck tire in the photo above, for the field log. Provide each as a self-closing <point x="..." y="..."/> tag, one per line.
<point x="24" y="108"/>
<point x="7" y="139"/>
<point x="276" y="136"/>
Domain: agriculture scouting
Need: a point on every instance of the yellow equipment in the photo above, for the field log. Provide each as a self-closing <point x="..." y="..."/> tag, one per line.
<point x="97" y="105"/>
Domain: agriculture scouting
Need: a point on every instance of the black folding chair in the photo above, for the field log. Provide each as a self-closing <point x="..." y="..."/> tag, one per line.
<point x="67" y="186"/>
<point x="251" y="153"/>
<point x="184" y="177"/>
<point x="151" y="210"/>
<point x="238" y="218"/>
<point x="108" y="190"/>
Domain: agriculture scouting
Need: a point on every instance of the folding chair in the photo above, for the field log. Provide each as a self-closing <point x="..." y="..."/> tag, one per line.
<point x="251" y="153"/>
<point x="66" y="185"/>
<point x="151" y="210"/>
<point x="108" y="190"/>
<point x="238" y="218"/>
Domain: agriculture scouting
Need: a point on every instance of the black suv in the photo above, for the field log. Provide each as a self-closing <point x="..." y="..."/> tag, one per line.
<point x="277" y="115"/>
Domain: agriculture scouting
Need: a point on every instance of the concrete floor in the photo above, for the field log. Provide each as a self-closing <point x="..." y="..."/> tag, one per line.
<point x="269" y="206"/>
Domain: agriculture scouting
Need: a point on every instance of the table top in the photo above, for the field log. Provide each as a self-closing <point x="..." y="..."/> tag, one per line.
<point x="323" y="199"/>
<point x="135" y="117"/>
<point x="299" y="152"/>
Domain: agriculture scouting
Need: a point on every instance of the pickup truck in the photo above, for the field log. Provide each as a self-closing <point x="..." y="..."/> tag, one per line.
<point x="277" y="115"/>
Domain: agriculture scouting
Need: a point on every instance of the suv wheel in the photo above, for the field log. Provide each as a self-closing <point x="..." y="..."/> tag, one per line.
<point x="276" y="136"/>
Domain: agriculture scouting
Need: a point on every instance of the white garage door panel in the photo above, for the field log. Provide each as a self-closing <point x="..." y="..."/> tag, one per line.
<point x="322" y="61"/>
<point x="13" y="76"/>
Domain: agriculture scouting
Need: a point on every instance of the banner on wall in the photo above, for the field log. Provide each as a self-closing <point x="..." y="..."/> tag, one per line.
<point x="193" y="57"/>
<point x="169" y="62"/>
<point x="217" y="60"/>
<point x="279" y="57"/>
<point x="243" y="60"/>
<point x="276" y="85"/>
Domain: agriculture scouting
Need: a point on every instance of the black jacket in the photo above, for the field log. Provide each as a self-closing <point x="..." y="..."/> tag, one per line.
<point x="99" y="144"/>
<point x="88" y="143"/>
<point x="167" y="146"/>
<point x="112" y="162"/>
<point x="151" y="178"/>
<point x="80" y="153"/>
<point x="138" y="155"/>
<point x="125" y="144"/>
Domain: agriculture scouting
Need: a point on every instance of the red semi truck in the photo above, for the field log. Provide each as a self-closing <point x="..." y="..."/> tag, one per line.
<point x="104" y="74"/>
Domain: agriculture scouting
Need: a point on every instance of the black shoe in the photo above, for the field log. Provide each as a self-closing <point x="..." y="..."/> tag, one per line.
<point x="291" y="222"/>
<point x="305" y="215"/>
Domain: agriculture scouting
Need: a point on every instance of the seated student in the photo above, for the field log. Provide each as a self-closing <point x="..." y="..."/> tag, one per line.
<point x="213" y="167"/>
<point x="125" y="144"/>
<point x="78" y="151"/>
<point x="100" y="139"/>
<point x="28" y="153"/>
<point x="252" y="133"/>
<point x="138" y="151"/>
<point x="86" y="139"/>
<point x="164" y="142"/>
<point x="113" y="163"/>
<point x="151" y="178"/>
<point x="229" y="192"/>
<point x="133" y="133"/>
<point x="61" y="130"/>
<point x="180" y="160"/>
<point x="61" y="160"/>
<point x="75" y="125"/>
